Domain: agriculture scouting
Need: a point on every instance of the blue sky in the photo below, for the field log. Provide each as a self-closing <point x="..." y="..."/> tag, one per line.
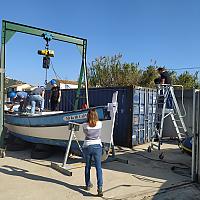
<point x="167" y="31"/>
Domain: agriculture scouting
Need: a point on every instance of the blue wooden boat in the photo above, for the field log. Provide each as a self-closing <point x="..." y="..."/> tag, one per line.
<point x="52" y="127"/>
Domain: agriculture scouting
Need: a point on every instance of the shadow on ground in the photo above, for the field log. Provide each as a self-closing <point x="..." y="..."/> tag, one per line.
<point x="14" y="171"/>
<point x="171" y="175"/>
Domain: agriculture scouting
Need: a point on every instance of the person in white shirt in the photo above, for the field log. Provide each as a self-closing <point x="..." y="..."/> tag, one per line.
<point x="92" y="147"/>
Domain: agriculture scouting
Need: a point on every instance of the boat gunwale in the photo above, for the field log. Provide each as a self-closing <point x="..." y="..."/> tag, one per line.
<point x="49" y="125"/>
<point x="53" y="114"/>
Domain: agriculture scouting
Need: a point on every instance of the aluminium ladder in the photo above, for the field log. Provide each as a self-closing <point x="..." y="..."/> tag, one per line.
<point x="167" y="105"/>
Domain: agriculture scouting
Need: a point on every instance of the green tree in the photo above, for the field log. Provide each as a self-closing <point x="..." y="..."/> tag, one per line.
<point x="148" y="77"/>
<point x="173" y="76"/>
<point x="188" y="80"/>
<point x="110" y="71"/>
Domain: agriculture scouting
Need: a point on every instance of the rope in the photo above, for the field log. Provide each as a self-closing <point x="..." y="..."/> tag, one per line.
<point x="56" y="75"/>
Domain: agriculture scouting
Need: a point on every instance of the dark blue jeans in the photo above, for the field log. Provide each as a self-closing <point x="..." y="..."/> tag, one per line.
<point x="34" y="99"/>
<point x="94" y="151"/>
<point x="169" y="102"/>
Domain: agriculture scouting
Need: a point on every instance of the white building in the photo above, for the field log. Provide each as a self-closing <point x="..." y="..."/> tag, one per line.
<point x="64" y="84"/>
<point x="20" y="87"/>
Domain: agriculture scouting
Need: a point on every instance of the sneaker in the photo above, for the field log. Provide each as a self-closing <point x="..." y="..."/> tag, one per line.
<point x="88" y="187"/>
<point x="100" y="192"/>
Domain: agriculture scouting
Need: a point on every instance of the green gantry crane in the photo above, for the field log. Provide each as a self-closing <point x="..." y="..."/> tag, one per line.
<point x="8" y="30"/>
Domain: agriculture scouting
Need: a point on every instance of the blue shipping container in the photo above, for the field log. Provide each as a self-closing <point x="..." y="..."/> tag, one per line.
<point x="136" y="111"/>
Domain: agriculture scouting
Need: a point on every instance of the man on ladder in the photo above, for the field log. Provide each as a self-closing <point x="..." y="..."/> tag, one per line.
<point x="165" y="79"/>
<point x="164" y="76"/>
<point x="167" y="105"/>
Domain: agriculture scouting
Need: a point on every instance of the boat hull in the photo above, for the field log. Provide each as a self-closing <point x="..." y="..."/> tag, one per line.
<point x="53" y="128"/>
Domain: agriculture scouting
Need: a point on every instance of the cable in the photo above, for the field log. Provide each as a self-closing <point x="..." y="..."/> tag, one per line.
<point x="184" y="68"/>
<point x="59" y="78"/>
<point x="173" y="168"/>
<point x="176" y="169"/>
<point x="56" y="75"/>
<point x="153" y="159"/>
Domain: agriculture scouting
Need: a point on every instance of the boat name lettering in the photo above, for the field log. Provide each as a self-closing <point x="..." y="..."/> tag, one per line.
<point x="72" y="117"/>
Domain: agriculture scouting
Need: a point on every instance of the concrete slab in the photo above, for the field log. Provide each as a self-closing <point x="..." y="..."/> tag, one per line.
<point x="145" y="177"/>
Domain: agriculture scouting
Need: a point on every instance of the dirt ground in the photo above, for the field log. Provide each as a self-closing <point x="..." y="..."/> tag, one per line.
<point x="145" y="177"/>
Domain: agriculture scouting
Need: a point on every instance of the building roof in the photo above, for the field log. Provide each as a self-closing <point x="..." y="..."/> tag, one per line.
<point x="68" y="82"/>
<point x="20" y="84"/>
